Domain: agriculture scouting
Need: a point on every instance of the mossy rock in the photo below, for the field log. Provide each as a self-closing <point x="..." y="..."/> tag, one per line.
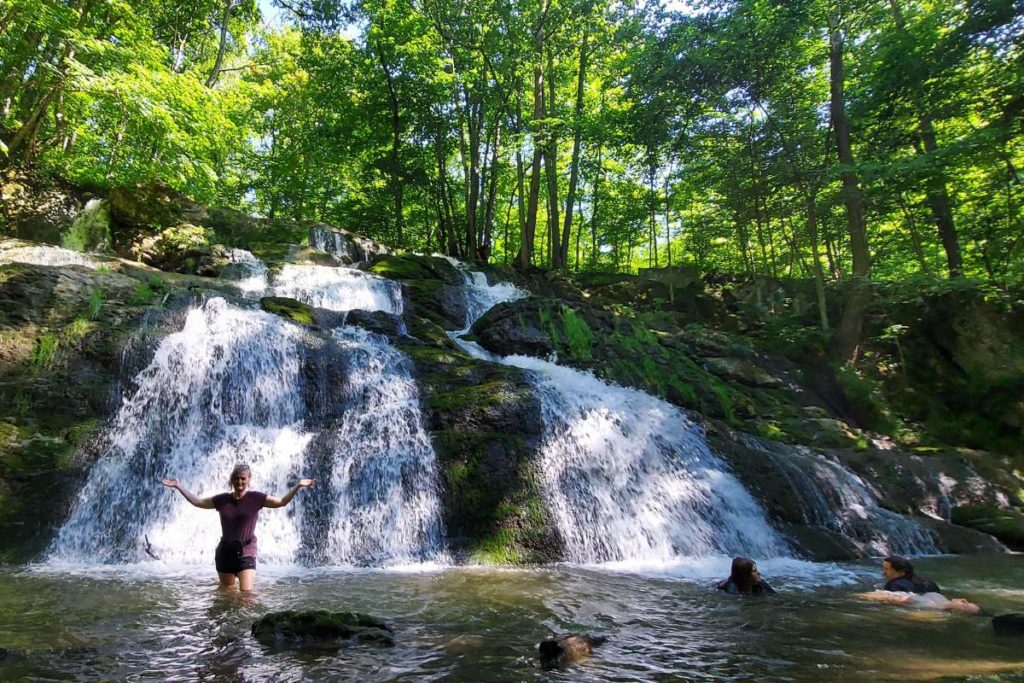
<point x="320" y="629"/>
<point x="1005" y="524"/>
<point x="493" y="509"/>
<point x="289" y="309"/>
<point x="415" y="267"/>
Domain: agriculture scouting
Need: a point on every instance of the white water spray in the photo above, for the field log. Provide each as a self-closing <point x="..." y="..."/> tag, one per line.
<point x="626" y="475"/>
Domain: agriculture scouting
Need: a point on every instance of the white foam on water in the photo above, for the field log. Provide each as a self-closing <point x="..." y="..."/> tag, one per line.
<point x="338" y="289"/>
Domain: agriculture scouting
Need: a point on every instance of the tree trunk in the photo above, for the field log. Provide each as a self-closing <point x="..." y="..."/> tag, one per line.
<point x="810" y="206"/>
<point x="594" y="245"/>
<point x="551" y="173"/>
<point x="938" y="201"/>
<point x="577" y="139"/>
<point x="852" y="322"/>
<point x="530" y="228"/>
<point x="935" y="185"/>
<point x="219" y="62"/>
<point x="394" y="167"/>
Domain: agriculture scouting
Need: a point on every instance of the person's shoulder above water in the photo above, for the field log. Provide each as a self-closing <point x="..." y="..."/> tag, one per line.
<point x="901" y="584"/>
<point x="220" y="499"/>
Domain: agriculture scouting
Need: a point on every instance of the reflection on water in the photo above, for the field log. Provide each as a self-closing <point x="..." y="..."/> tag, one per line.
<point x="149" y="622"/>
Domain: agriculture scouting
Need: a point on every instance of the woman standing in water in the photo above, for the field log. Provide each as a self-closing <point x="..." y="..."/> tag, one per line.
<point x="236" y="552"/>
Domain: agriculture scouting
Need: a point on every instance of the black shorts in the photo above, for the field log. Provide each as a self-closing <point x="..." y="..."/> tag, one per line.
<point x="229" y="562"/>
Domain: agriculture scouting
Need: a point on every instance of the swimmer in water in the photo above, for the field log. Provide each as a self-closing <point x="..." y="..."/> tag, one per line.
<point x="904" y="587"/>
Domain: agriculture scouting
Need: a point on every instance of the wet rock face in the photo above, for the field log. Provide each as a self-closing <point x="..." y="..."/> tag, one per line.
<point x="431" y="287"/>
<point x="37" y="210"/>
<point x="485" y="423"/>
<point x="515" y="328"/>
<point x="347" y="247"/>
<point x="321" y="629"/>
<point x="804" y="494"/>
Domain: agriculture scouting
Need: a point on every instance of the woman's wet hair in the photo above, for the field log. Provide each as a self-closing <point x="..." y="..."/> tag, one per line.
<point x="239" y="469"/>
<point x="742" y="574"/>
<point x="901" y="564"/>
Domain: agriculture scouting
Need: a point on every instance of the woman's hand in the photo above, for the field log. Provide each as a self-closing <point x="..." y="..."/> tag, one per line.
<point x="170" y="483"/>
<point x="303" y="483"/>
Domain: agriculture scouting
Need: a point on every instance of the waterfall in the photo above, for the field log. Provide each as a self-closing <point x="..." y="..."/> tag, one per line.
<point x="628" y="476"/>
<point x="383" y="464"/>
<point x="43" y="255"/>
<point x="338" y="289"/>
<point x="237" y="385"/>
<point x="227" y="388"/>
<point x="833" y="497"/>
<point x="247" y="272"/>
<point x="90" y="230"/>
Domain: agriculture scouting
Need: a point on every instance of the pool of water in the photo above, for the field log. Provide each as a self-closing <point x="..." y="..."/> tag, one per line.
<point x="664" y="623"/>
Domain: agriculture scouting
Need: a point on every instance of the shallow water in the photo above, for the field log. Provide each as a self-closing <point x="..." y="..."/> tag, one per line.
<point x="665" y="623"/>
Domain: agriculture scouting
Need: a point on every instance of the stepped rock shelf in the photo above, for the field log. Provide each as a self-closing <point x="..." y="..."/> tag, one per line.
<point x="422" y="394"/>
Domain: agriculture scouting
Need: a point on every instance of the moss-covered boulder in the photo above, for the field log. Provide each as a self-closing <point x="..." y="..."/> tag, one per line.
<point x="485" y="424"/>
<point x="712" y="372"/>
<point x="431" y="287"/>
<point x="63" y="335"/>
<point x="290" y="309"/>
<point x="321" y="629"/>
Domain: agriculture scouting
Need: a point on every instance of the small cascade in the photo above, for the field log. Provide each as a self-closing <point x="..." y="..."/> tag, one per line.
<point x="338" y="289"/>
<point x="331" y="241"/>
<point x="247" y="272"/>
<point x="833" y="497"/>
<point x="90" y="230"/>
<point x="383" y="466"/>
<point x="227" y="388"/>
<point x="627" y="476"/>
<point x="482" y="297"/>
<point x="42" y="255"/>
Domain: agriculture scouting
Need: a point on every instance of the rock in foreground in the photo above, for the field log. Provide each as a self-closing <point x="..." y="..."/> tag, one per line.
<point x="320" y="629"/>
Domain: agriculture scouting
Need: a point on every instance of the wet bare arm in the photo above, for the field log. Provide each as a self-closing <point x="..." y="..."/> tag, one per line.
<point x="205" y="503"/>
<point x="275" y="502"/>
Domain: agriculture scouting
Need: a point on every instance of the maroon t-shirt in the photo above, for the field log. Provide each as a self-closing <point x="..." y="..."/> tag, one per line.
<point x="238" y="518"/>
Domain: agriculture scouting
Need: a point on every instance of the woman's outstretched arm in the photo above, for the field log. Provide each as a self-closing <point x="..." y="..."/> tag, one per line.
<point x="205" y="503"/>
<point x="275" y="502"/>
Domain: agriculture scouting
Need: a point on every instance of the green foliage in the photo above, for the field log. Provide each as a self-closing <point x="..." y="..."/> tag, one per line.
<point x="577" y="333"/>
<point x="682" y="140"/>
<point x="45" y="354"/>
<point x="78" y="328"/>
<point x="146" y="292"/>
<point x="95" y="303"/>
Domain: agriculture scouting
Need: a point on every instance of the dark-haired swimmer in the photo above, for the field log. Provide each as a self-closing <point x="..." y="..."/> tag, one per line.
<point x="236" y="552"/>
<point x="744" y="579"/>
<point x="905" y="587"/>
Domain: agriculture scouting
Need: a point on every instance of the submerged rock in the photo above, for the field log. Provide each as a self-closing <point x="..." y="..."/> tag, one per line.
<point x="320" y="629"/>
<point x="557" y="652"/>
<point x="1008" y="624"/>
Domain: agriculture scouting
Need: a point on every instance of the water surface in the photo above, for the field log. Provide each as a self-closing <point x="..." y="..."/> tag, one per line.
<point x="664" y="622"/>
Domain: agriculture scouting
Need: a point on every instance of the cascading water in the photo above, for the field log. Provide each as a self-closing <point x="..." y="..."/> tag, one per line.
<point x="247" y="272"/>
<point x="833" y="497"/>
<point x="383" y="464"/>
<point x="338" y="289"/>
<point x="628" y="476"/>
<point x="241" y="385"/>
<point x="227" y="388"/>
